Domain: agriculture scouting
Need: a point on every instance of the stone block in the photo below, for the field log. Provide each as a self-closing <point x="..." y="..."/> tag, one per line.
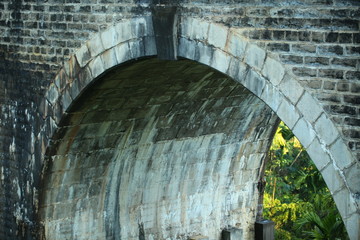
<point x="95" y="46"/>
<point x="109" y="58"/>
<point x="186" y="48"/>
<point x="84" y="77"/>
<point x="149" y="46"/>
<point x="66" y="98"/>
<point x="271" y="96"/>
<point x="96" y="67"/>
<point x="108" y="37"/>
<point x="136" y="49"/>
<point x="341" y="154"/>
<point x="353" y="226"/>
<point x="352" y="176"/>
<point x="318" y="155"/>
<point x="185" y="26"/>
<point x="291" y="88"/>
<point x="254" y="82"/>
<point x="288" y="113"/>
<point x="218" y="35"/>
<point x="204" y="53"/>
<point x="273" y="70"/>
<point x="52" y="93"/>
<point x="140" y="28"/>
<point x="255" y="56"/>
<point x="309" y="107"/>
<point x="199" y="29"/>
<point x="332" y="178"/>
<point x="237" y="44"/>
<point x="220" y="61"/>
<point x="122" y="52"/>
<point x="123" y="32"/>
<point x="326" y="129"/>
<point x="83" y="55"/>
<point x="304" y="132"/>
<point x="344" y="202"/>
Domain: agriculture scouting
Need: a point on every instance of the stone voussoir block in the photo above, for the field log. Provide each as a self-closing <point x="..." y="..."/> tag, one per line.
<point x="326" y="129"/>
<point x="199" y="30"/>
<point x="220" y="60"/>
<point x="288" y="113"/>
<point x="83" y="55"/>
<point x="236" y="44"/>
<point x="52" y="93"/>
<point x="123" y="32"/>
<point x="96" y="67"/>
<point x="340" y="152"/>
<point x="273" y="70"/>
<point x="254" y="82"/>
<point x="309" y="107"/>
<point x="272" y="96"/>
<point x="109" y="58"/>
<point x="108" y="37"/>
<point x="255" y="56"/>
<point x="122" y="52"/>
<point x="291" y="88"/>
<point x="316" y="152"/>
<point x="186" y="48"/>
<point x="304" y="132"/>
<point x="95" y="46"/>
<point x="141" y="27"/>
<point x="333" y="178"/>
<point x="218" y="35"/>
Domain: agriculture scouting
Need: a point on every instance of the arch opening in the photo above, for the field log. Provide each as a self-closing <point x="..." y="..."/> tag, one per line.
<point x="157" y="149"/>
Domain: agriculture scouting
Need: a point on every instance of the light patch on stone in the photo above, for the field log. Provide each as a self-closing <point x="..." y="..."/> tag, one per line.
<point x="108" y="38"/>
<point x="341" y="154"/>
<point x="254" y="82"/>
<point x="123" y="32"/>
<point x="273" y="70"/>
<point x="109" y="58"/>
<point x="236" y="44"/>
<point x="199" y="29"/>
<point x="326" y="129"/>
<point x="309" y="107"/>
<point x="217" y="35"/>
<point x="291" y="88"/>
<point x="255" y="56"/>
<point x="332" y="178"/>
<point x="318" y="154"/>
<point x="288" y="113"/>
<point x="304" y="132"/>
<point x="96" y="67"/>
<point x="95" y="46"/>
<point x="220" y="61"/>
<point x="186" y="48"/>
<point x="83" y="55"/>
<point x="122" y="52"/>
<point x="205" y="53"/>
<point x="271" y="96"/>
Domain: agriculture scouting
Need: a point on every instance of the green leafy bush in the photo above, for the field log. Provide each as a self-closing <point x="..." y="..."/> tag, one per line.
<point x="296" y="197"/>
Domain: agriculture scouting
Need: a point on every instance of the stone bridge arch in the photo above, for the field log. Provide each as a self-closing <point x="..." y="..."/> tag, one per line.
<point x="233" y="55"/>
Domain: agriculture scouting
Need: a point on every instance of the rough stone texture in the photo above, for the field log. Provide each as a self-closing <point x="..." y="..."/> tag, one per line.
<point x="170" y="149"/>
<point x="52" y="51"/>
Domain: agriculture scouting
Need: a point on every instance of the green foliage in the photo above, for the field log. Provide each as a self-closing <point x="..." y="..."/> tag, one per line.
<point x="296" y="197"/>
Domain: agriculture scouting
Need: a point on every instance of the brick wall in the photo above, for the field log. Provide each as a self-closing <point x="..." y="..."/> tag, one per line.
<point x="318" y="41"/>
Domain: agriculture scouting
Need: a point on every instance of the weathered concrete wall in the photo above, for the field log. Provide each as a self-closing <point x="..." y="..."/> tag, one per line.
<point x="314" y="44"/>
<point x="158" y="149"/>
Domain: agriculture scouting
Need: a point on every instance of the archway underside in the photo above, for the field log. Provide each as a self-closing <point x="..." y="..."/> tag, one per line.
<point x="155" y="150"/>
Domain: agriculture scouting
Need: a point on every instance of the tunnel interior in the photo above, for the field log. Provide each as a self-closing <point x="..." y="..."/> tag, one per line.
<point x="156" y="149"/>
